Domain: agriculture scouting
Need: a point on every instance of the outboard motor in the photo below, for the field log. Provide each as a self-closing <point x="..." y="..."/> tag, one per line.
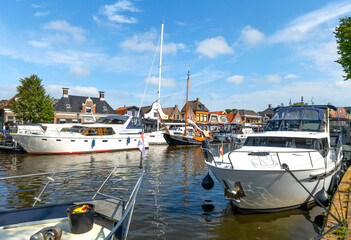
<point x="48" y="233"/>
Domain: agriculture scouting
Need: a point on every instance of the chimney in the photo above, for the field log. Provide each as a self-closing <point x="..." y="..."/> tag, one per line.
<point x="269" y="105"/>
<point x="197" y="99"/>
<point x="176" y="106"/>
<point x="102" y="95"/>
<point x="65" y="92"/>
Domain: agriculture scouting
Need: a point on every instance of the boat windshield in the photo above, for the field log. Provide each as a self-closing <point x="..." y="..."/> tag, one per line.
<point x="290" y="142"/>
<point x="297" y="119"/>
<point x="113" y="119"/>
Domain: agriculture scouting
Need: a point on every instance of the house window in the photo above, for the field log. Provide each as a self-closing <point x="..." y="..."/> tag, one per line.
<point x="88" y="109"/>
<point x="201" y="117"/>
<point x="129" y="113"/>
<point x="10" y="118"/>
<point x="198" y="117"/>
<point x="68" y="105"/>
<point x="104" y="108"/>
<point x="74" y="120"/>
<point x="155" y="115"/>
<point x="62" y="120"/>
<point x="205" y="117"/>
<point x="178" y="117"/>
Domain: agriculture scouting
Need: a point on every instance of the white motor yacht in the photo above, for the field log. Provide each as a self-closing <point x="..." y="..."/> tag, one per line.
<point x="271" y="170"/>
<point x="110" y="133"/>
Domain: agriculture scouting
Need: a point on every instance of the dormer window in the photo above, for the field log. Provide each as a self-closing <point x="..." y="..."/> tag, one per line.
<point x="68" y="105"/>
<point x="104" y="108"/>
<point x="88" y="109"/>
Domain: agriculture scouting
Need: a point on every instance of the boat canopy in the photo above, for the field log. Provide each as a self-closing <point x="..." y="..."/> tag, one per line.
<point x="297" y="119"/>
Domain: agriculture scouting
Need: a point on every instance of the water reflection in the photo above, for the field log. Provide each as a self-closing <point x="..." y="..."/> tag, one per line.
<point x="171" y="203"/>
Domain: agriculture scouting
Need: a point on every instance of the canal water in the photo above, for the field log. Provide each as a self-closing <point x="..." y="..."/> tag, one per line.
<point x="171" y="203"/>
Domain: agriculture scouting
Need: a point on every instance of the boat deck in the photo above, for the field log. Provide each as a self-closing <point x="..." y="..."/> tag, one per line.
<point x="108" y="213"/>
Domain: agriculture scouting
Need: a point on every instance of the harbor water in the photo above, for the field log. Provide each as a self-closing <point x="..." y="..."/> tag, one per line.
<point x="171" y="203"/>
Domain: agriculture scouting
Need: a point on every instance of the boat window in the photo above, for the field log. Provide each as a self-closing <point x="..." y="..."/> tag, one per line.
<point x="311" y="125"/>
<point x="305" y="143"/>
<point x="294" y="114"/>
<point x="98" y="131"/>
<point x="310" y="114"/>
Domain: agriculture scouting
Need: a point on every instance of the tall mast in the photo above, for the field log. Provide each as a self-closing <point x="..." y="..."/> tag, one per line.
<point x="160" y="66"/>
<point x="186" y="104"/>
<point x="159" y="77"/>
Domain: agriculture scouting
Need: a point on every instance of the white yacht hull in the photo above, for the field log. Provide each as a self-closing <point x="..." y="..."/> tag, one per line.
<point x="43" y="144"/>
<point x="155" y="138"/>
<point x="267" y="190"/>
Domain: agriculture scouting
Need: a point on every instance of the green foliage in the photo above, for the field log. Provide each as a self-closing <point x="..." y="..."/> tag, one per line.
<point x="343" y="39"/>
<point x="33" y="104"/>
<point x="230" y="110"/>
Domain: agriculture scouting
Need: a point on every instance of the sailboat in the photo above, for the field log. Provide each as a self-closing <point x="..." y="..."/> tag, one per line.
<point x="156" y="137"/>
<point x="187" y="139"/>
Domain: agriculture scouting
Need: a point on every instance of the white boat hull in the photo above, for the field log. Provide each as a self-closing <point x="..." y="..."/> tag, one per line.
<point x="268" y="191"/>
<point x="42" y="144"/>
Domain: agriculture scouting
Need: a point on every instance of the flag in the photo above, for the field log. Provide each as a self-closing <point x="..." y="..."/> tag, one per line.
<point x="4" y="130"/>
<point x="141" y="145"/>
<point x="312" y="101"/>
<point x="221" y="150"/>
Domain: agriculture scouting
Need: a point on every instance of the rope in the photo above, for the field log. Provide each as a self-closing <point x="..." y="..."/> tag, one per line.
<point x="152" y="65"/>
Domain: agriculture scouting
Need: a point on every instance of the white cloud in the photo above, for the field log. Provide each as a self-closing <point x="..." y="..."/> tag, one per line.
<point x="343" y="84"/>
<point x="290" y="76"/>
<point x="302" y="27"/>
<point x="322" y="54"/>
<point x="146" y="42"/>
<point x="77" y="33"/>
<point x="56" y="90"/>
<point x="39" y="44"/>
<point x="214" y="46"/>
<point x="141" y="42"/>
<point x="274" y="79"/>
<point x="41" y="14"/>
<point x="237" y="79"/>
<point x="114" y="11"/>
<point x="251" y="36"/>
<point x="165" y="82"/>
<point x="79" y="71"/>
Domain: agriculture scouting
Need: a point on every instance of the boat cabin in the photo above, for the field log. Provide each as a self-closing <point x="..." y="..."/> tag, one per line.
<point x="298" y="119"/>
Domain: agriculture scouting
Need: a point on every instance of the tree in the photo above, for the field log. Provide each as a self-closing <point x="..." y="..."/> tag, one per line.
<point x="33" y="104"/>
<point x="343" y="39"/>
<point x="230" y="110"/>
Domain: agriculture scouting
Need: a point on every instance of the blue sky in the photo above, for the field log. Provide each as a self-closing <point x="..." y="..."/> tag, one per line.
<point x="242" y="54"/>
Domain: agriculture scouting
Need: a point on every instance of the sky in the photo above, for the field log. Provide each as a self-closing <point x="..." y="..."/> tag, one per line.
<point x="241" y="54"/>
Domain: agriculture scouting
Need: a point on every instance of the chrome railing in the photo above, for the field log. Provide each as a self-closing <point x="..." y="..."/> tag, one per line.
<point x="130" y="201"/>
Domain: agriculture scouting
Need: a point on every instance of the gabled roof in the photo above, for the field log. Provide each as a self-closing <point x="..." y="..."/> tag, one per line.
<point x="146" y="109"/>
<point x="6" y="104"/>
<point x="168" y="111"/>
<point x="195" y="106"/>
<point x="121" y="110"/>
<point x="76" y="102"/>
<point x="218" y="112"/>
<point x="244" y="112"/>
<point x="268" y="112"/>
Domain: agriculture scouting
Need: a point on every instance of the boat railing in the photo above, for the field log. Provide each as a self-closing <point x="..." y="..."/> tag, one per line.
<point x="270" y="158"/>
<point x="129" y="202"/>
